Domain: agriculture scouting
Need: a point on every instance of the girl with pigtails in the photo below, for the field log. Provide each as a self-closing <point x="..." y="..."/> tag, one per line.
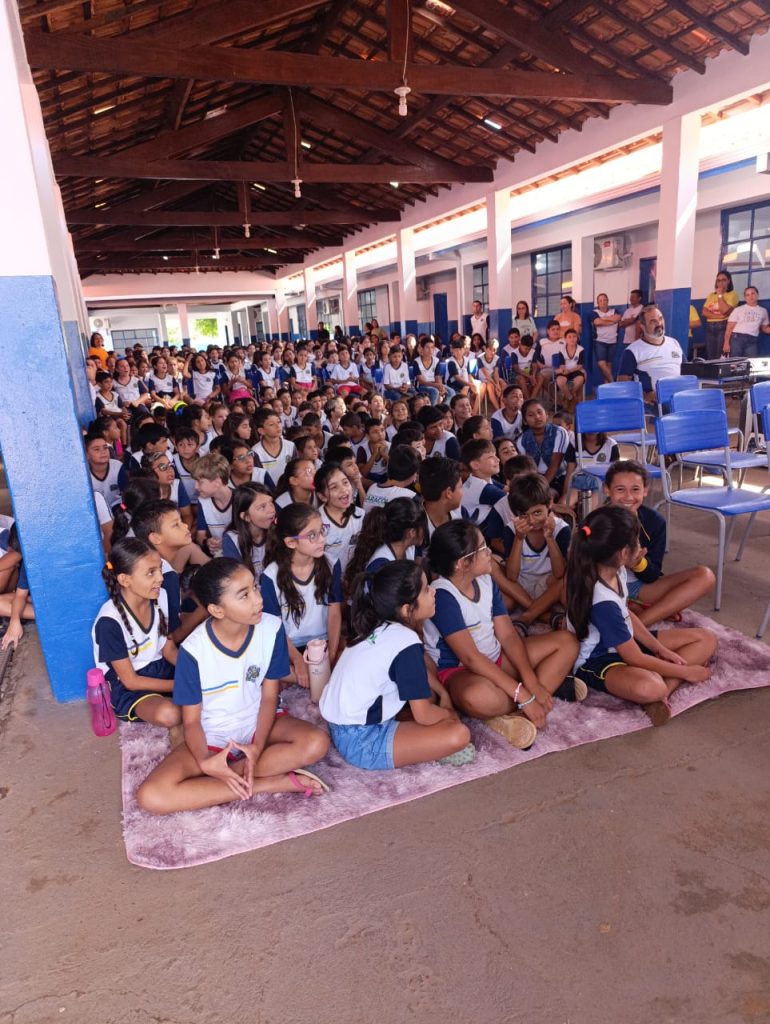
<point x="618" y="654"/>
<point x="131" y="636"/>
<point x="378" y="702"/>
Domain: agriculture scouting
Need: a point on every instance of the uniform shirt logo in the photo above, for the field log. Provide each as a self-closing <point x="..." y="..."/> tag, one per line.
<point x="252" y="673"/>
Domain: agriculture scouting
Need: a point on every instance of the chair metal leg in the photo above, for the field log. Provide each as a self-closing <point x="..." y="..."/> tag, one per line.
<point x="730" y="528"/>
<point x="720" y="563"/>
<point x="745" y="537"/>
<point x="765" y="620"/>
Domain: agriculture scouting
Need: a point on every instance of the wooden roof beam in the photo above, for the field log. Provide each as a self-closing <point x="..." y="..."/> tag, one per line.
<point x="187" y="243"/>
<point x="400" y="36"/>
<point x="709" y="25"/>
<point x="120" y="166"/>
<point x="215" y="21"/>
<point x="192" y="262"/>
<point x="260" y="218"/>
<point x="118" y="56"/>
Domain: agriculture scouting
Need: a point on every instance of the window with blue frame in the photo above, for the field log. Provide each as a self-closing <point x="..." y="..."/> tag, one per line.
<point x="481" y="284"/>
<point x="367" y="305"/>
<point x="551" y="278"/>
<point x="746" y="247"/>
<point x="146" y="336"/>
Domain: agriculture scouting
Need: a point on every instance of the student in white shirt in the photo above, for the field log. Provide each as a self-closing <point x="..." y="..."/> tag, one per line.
<point x="395" y="377"/>
<point x="381" y="671"/>
<point x="479" y="321"/>
<point x="253" y="513"/>
<point x="338" y="513"/>
<point x="200" y="377"/>
<point x="272" y="449"/>
<point x="215" y="496"/>
<point x="104" y="471"/>
<point x="226" y="683"/>
<point x="387" y="535"/>
<point x="403" y="464"/>
<point x="605" y="323"/>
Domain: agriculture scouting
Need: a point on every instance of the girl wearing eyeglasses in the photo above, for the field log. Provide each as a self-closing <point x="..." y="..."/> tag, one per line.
<point x="299" y="585"/>
<point x="296" y="483"/>
<point x="160" y="464"/>
<point x="488" y="670"/>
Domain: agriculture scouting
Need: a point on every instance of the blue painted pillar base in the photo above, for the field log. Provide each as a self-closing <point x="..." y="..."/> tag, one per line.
<point x="451" y="328"/>
<point x="466" y="327"/>
<point x="353" y="331"/>
<point x="227" y="335"/>
<point x="50" y="485"/>
<point x="585" y="309"/>
<point x="500" y="322"/>
<point x="84" y="406"/>
<point x="185" y="341"/>
<point x="253" y="339"/>
<point x="674" y="304"/>
<point x="411" y="327"/>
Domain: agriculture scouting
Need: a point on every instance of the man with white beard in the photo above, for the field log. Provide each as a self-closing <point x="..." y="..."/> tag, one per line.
<point x="654" y="356"/>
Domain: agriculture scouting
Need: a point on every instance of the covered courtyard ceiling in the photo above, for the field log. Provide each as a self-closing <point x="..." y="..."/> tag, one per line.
<point x="176" y="128"/>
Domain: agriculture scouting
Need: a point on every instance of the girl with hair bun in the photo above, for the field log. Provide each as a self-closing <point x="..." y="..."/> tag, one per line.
<point x="382" y="671"/>
<point x="131" y="636"/>
<point x="618" y="654"/>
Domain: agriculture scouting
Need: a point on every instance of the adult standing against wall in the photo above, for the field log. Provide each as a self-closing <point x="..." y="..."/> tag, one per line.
<point x="605" y="323"/>
<point x="479" y="320"/>
<point x="96" y="350"/>
<point x="630" y="322"/>
<point x="744" y="325"/>
<point x="568" y="317"/>
<point x="653" y="356"/>
<point x="716" y="310"/>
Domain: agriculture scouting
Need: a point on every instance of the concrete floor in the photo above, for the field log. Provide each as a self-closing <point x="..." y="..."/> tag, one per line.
<point x="620" y="883"/>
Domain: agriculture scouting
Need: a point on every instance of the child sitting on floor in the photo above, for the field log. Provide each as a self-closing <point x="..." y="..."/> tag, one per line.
<point x="227" y="680"/>
<point x="618" y="654"/>
<point x="383" y="670"/>
<point x="655" y="596"/>
<point x="489" y="671"/>
<point x="480" y="492"/>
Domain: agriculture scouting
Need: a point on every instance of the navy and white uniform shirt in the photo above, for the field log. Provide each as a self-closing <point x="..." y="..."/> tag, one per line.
<point x="144" y="649"/>
<point x="228" y="684"/>
<point x="610" y="624"/>
<point x="212" y="518"/>
<point x="313" y="623"/>
<point x="479" y="497"/>
<point x="374" y="679"/>
<point x="109" y="487"/>
<point x="230" y="549"/>
<point x="341" y="540"/>
<point x="456" y="612"/>
<point x="502" y="427"/>
<point x="384" y="554"/>
<point x="274" y="464"/>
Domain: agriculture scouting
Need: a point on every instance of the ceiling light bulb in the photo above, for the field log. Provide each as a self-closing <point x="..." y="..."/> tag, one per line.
<point x="402" y="91"/>
<point x="394" y="184"/>
<point x="296" y="182"/>
<point x="247" y="230"/>
<point x="216" y="254"/>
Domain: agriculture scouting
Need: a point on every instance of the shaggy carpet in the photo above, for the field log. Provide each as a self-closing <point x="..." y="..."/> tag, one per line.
<point x="190" y="838"/>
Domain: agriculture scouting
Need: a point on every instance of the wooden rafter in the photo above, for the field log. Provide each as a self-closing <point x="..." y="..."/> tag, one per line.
<point x="194" y="262"/>
<point x="81" y="53"/>
<point x="215" y="21"/>
<point x="181" y="242"/>
<point x="260" y="218"/>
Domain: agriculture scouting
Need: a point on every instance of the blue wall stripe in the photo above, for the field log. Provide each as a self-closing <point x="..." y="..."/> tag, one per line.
<point x="51" y="493"/>
<point x="75" y="355"/>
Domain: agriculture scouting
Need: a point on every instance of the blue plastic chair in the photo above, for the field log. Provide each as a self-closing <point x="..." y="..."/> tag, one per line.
<point x="759" y="397"/>
<point x="679" y="434"/>
<point x="707" y="399"/>
<point x="377" y="375"/>
<point x="666" y="388"/>
<point x="626" y="389"/>
<point x="610" y="417"/>
<point x="765" y="417"/>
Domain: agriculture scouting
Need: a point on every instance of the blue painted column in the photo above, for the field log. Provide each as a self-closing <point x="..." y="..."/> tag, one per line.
<point x="676" y="223"/>
<point x="499" y="264"/>
<point x="40" y="433"/>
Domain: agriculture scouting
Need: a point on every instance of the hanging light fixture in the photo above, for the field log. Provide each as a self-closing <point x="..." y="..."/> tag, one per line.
<point x="403" y="90"/>
<point x="216" y="245"/>
<point x="296" y="180"/>
<point x="246" y="204"/>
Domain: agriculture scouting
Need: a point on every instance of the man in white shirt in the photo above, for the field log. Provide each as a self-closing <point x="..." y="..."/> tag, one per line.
<point x="654" y="356"/>
<point x="479" y="322"/>
<point x="630" y="322"/>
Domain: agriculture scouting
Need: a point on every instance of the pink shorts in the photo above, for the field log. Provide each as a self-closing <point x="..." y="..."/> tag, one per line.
<point x="446" y="673"/>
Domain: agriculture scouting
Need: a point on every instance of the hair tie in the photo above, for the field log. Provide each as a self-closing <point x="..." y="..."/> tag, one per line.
<point x="122" y="507"/>
<point x="108" y="565"/>
<point x="586" y="530"/>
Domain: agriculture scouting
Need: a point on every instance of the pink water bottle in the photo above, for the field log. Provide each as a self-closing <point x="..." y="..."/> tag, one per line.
<point x="103" y="720"/>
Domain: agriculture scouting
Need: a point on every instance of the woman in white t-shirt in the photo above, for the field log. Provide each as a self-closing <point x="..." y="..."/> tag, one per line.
<point x="201" y="379"/>
<point x="381" y="671"/>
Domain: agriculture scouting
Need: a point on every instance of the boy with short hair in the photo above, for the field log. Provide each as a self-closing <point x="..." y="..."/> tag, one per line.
<point x="105" y="472"/>
<point x="535" y="544"/>
<point x="211" y="474"/>
<point x="403" y="464"/>
<point x="149" y="438"/>
<point x="272" y="449"/>
<point x="372" y="455"/>
<point x="442" y="491"/>
<point x="506" y="422"/>
<point x="525" y="363"/>
<point x="396" y="382"/>
<point x="480" y="492"/>
<point x="187" y="443"/>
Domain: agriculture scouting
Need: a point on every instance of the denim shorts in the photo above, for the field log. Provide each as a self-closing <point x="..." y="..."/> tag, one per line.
<point x="604" y="353"/>
<point x="366" y="746"/>
<point x="634" y="587"/>
<point x="584" y="481"/>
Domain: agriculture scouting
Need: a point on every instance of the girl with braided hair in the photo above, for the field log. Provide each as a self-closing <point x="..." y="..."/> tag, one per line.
<point x="130" y="636"/>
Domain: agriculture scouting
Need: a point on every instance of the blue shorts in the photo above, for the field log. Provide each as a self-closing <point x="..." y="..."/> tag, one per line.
<point x="604" y="353"/>
<point x="366" y="746"/>
<point x="634" y="587"/>
<point x="584" y="481"/>
<point x="125" y="702"/>
<point x="593" y="671"/>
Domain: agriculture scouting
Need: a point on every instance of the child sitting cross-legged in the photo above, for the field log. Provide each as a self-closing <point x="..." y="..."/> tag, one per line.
<point x="226" y="683"/>
<point x="480" y="492"/>
<point x="535" y="545"/>
<point x="654" y="595"/>
<point x="378" y="700"/>
<point x="488" y="670"/>
<point x="618" y="654"/>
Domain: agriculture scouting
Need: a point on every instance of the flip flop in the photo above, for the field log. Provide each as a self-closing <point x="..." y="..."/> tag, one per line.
<point x="325" y="787"/>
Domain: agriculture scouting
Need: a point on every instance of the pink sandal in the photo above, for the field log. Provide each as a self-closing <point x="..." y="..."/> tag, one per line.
<point x="306" y="790"/>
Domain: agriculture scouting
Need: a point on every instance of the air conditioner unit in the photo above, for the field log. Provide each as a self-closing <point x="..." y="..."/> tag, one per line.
<point x="611" y="253"/>
<point x="100" y="324"/>
<point x="423" y="289"/>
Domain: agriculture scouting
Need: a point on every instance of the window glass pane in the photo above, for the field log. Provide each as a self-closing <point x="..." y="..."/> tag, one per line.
<point x="554" y="261"/>
<point x="540" y="263"/>
<point x="736" y="256"/>
<point x="762" y="220"/>
<point x="760" y="280"/>
<point x="738" y="225"/>
<point x="740" y="281"/>
<point x="566" y="258"/>
<point x="554" y="284"/>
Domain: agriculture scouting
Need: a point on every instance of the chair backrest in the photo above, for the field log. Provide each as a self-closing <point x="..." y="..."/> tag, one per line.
<point x="620" y="389"/>
<point x="760" y="396"/>
<point x="667" y="387"/>
<point x="765" y="417"/>
<point x="556" y="361"/>
<point x="612" y="414"/>
<point x="682" y="432"/>
<point x="702" y="398"/>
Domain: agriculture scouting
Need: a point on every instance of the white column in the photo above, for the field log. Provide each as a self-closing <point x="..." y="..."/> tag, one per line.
<point x="184" y="322"/>
<point x="243" y="317"/>
<point x="499" y="264"/>
<point x="311" y="318"/>
<point x="407" y="283"/>
<point x="350" y="293"/>
<point x="676" y="223"/>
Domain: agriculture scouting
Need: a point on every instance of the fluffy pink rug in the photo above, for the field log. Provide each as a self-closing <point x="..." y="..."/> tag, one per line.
<point x="190" y="838"/>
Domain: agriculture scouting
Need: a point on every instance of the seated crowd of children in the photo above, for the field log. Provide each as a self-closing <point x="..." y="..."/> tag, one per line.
<point x="251" y="504"/>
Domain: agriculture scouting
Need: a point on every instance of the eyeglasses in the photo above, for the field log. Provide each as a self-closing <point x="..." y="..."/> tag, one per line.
<point x="313" y="536"/>
<point x="243" y="458"/>
<point x="478" y="551"/>
<point x="163" y="466"/>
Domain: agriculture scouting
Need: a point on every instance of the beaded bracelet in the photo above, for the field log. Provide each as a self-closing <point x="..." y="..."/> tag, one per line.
<point x="516" y="693"/>
<point x="529" y="701"/>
